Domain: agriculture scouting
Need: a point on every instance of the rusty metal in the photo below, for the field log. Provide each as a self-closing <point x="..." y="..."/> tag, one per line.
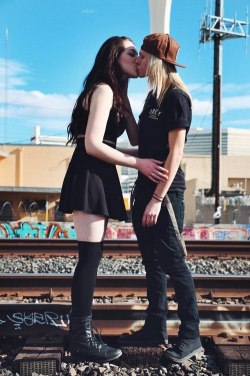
<point x="51" y="285"/>
<point x="233" y="354"/>
<point x="124" y="308"/>
<point x="116" y="247"/>
<point x="40" y="355"/>
<point x="115" y="318"/>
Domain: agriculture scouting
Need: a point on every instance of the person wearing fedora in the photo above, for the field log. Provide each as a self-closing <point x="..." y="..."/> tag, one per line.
<point x="158" y="208"/>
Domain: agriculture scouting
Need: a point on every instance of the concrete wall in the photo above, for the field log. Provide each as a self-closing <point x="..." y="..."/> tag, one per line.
<point x="233" y="169"/>
<point x="34" y="166"/>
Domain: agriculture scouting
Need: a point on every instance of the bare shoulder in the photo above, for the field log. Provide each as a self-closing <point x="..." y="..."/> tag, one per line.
<point x="102" y="96"/>
<point x="100" y="92"/>
<point x="103" y="89"/>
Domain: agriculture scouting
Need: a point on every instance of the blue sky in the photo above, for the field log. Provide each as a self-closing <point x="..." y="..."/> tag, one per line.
<point x="52" y="44"/>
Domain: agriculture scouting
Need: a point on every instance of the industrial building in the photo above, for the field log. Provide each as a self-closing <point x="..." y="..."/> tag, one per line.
<point x="32" y="174"/>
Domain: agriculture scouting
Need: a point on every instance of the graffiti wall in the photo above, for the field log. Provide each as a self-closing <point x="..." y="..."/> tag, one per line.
<point x="117" y="230"/>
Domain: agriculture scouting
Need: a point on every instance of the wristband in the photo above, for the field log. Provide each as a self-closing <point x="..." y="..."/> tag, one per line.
<point x="157" y="198"/>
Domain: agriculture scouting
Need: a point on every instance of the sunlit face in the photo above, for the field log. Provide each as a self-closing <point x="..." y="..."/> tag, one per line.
<point x="142" y="63"/>
<point x="127" y="60"/>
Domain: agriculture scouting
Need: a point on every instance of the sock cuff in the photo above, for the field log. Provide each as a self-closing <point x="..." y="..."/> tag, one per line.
<point x="87" y="244"/>
<point x="90" y="247"/>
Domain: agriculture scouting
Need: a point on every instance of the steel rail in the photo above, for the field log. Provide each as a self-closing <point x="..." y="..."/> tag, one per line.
<point x="113" y="319"/>
<point x="56" y="285"/>
<point x="119" y="247"/>
<point x="123" y="312"/>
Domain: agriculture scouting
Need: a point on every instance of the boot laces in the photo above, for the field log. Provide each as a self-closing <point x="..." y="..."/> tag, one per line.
<point x="96" y="333"/>
<point x="182" y="344"/>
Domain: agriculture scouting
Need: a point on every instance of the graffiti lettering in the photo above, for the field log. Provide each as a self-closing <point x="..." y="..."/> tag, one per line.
<point x="22" y="319"/>
<point x="66" y="230"/>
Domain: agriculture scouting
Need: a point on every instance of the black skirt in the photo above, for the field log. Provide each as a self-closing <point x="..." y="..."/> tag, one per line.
<point x="92" y="185"/>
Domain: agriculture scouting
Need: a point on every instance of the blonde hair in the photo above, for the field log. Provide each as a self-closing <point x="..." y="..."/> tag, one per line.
<point x="161" y="75"/>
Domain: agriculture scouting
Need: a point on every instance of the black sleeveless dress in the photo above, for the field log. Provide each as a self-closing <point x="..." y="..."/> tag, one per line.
<point x="91" y="184"/>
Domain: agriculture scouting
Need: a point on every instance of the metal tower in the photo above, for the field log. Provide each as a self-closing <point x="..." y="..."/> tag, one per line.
<point x="160" y="16"/>
<point x="218" y="28"/>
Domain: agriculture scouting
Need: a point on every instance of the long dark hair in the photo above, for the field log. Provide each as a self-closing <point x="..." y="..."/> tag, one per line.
<point x="106" y="69"/>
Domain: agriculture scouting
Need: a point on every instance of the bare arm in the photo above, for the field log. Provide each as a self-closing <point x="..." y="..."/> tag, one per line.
<point x="176" y="145"/>
<point x="129" y="151"/>
<point x="101" y="103"/>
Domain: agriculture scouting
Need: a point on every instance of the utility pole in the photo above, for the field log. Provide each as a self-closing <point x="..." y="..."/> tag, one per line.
<point x="218" y="28"/>
<point x="6" y="78"/>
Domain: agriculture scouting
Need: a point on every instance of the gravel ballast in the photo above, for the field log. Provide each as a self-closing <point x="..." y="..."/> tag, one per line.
<point x="120" y="265"/>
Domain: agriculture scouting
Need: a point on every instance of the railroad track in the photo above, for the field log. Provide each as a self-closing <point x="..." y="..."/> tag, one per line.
<point x="55" y="285"/>
<point x="124" y="304"/>
<point x="115" y="247"/>
<point x="123" y="296"/>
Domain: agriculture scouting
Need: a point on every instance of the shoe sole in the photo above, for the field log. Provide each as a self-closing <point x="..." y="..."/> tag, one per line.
<point x="195" y="352"/>
<point x="89" y="358"/>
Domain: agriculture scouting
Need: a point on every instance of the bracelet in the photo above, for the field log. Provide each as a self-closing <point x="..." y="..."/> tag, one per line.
<point x="157" y="198"/>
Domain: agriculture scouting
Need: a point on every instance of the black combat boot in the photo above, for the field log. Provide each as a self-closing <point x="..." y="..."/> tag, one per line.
<point x="152" y="333"/>
<point x="184" y="349"/>
<point x="85" y="345"/>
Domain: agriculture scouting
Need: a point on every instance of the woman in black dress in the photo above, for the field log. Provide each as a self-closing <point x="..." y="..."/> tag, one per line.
<point x="91" y="187"/>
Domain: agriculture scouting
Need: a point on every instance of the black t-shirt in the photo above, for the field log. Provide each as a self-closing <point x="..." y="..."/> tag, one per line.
<point x="156" y="121"/>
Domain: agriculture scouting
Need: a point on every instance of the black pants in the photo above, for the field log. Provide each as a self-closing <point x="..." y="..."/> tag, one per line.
<point x="161" y="255"/>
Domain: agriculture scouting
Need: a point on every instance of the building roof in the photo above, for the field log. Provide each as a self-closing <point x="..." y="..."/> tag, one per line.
<point x="3" y="154"/>
<point x="233" y="142"/>
<point x="30" y="189"/>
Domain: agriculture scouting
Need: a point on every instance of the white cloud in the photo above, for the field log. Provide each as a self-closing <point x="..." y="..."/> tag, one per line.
<point x="202" y="108"/>
<point x="236" y="88"/>
<point x="23" y="102"/>
<point x="236" y="103"/>
<point x="12" y="73"/>
<point x="227" y="88"/>
<point x="54" y="110"/>
<point x="33" y="104"/>
<point x="242" y="123"/>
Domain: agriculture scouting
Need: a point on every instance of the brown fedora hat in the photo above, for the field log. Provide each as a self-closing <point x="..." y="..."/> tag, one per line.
<point x="162" y="46"/>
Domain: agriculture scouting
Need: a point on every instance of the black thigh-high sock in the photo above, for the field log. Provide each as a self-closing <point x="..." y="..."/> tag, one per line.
<point x="84" y="278"/>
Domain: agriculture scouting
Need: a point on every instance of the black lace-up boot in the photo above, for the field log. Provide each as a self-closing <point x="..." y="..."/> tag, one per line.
<point x="85" y="345"/>
<point x="184" y="349"/>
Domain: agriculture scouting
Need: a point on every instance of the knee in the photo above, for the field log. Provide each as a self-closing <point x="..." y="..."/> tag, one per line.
<point x="178" y="268"/>
<point x="153" y="267"/>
